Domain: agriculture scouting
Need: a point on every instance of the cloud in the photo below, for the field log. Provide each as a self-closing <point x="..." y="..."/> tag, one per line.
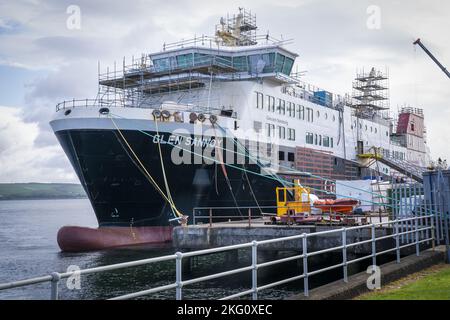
<point x="331" y="37"/>
<point x="21" y="160"/>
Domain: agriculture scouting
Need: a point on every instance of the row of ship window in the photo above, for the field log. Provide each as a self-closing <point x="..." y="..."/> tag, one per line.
<point x="281" y="131"/>
<point x="319" y="140"/>
<point x="394" y="154"/>
<point x="287" y="108"/>
<point x="366" y="128"/>
<point x="255" y="63"/>
<point x="272" y="131"/>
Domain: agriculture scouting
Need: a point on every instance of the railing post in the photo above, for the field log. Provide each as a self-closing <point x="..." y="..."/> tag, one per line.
<point x="374" y="247"/>
<point x="397" y="241"/>
<point x="305" y="265"/>
<point x="210" y="217"/>
<point x="249" y="217"/>
<point x="417" y="236"/>
<point x="433" y="239"/>
<point x="55" y="281"/>
<point x="344" y="253"/>
<point x="255" y="270"/>
<point x="178" y="276"/>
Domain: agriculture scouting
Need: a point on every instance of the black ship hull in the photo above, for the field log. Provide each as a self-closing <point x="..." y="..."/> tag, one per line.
<point x="122" y="196"/>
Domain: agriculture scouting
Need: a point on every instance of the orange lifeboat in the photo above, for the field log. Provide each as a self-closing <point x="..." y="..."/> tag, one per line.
<point x="343" y="205"/>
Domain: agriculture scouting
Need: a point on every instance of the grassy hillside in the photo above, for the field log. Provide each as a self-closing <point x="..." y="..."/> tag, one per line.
<point x="23" y="191"/>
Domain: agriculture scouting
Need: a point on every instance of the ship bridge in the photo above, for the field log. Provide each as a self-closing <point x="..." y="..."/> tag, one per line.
<point x="191" y="67"/>
<point x="234" y="53"/>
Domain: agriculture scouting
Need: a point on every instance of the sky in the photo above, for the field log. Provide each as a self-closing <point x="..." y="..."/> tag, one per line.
<point x="49" y="52"/>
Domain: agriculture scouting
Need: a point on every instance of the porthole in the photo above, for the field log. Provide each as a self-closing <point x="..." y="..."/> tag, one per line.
<point x="67" y="112"/>
<point x="334" y="118"/>
<point x="318" y="114"/>
<point x="326" y="116"/>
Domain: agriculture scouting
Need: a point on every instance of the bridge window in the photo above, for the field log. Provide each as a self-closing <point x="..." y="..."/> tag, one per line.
<point x="269" y="62"/>
<point x="201" y="59"/>
<point x="161" y="64"/>
<point x="185" y="60"/>
<point x="240" y="63"/>
<point x="281" y="155"/>
<point x="279" y="63"/>
<point x="287" y="67"/>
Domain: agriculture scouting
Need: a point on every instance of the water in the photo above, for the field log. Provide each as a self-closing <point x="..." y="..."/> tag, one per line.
<point x="28" y="248"/>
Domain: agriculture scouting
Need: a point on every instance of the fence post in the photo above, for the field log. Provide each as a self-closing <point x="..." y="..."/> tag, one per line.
<point x="417" y="236"/>
<point x="344" y="253"/>
<point x="305" y="265"/>
<point x="433" y="236"/>
<point x="178" y="276"/>
<point x="397" y="241"/>
<point x="374" y="247"/>
<point x="210" y="217"/>
<point x="55" y="281"/>
<point x="255" y="270"/>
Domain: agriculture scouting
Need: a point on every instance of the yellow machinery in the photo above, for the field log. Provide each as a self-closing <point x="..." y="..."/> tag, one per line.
<point x="376" y="154"/>
<point x="298" y="205"/>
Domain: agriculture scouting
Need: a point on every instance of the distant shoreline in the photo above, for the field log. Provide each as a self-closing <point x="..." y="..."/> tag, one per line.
<point x="43" y="198"/>
<point x="41" y="191"/>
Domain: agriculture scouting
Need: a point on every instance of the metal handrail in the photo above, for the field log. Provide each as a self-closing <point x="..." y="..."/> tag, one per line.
<point x="55" y="277"/>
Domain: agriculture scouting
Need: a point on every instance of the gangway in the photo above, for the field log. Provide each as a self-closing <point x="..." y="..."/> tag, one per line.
<point x="404" y="167"/>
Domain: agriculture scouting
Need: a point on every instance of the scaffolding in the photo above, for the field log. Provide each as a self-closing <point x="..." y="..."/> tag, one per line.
<point x="371" y="92"/>
<point x="237" y="30"/>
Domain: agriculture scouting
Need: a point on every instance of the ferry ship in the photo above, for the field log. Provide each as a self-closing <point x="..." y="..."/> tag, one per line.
<point x="220" y="122"/>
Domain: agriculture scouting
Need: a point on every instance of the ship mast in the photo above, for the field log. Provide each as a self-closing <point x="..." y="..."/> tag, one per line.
<point x="237" y="30"/>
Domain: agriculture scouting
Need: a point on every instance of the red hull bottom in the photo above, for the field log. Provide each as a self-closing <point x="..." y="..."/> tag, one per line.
<point x="77" y="239"/>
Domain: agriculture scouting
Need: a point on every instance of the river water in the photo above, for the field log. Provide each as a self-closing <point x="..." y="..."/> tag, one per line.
<point x="28" y="248"/>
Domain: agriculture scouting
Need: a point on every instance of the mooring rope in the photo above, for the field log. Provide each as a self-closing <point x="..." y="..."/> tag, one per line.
<point x="146" y="173"/>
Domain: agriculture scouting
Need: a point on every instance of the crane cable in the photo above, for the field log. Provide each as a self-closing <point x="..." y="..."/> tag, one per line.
<point x="146" y="173"/>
